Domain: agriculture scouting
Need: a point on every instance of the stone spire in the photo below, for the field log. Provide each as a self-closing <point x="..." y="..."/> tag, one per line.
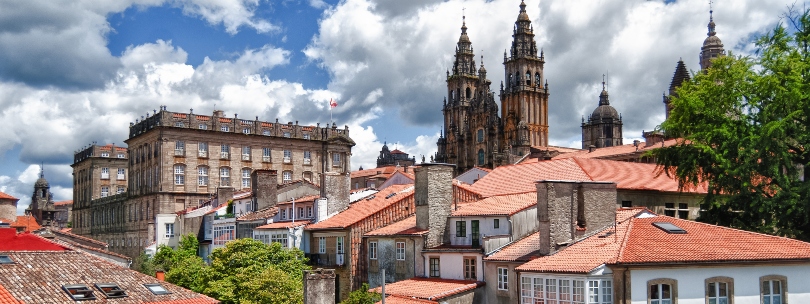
<point x="465" y="58"/>
<point x="712" y="46"/>
<point x="603" y="97"/>
<point x="523" y="44"/>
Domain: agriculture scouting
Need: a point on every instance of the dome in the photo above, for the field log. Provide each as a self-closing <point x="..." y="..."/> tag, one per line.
<point x="712" y="41"/>
<point x="41" y="183"/>
<point x="523" y="16"/>
<point x="604" y="112"/>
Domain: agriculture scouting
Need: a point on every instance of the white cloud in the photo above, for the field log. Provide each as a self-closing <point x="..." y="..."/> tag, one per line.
<point x="230" y="13"/>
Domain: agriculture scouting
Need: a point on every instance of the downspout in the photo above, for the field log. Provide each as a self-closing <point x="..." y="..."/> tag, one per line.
<point x="624" y="288"/>
<point x="413" y="248"/>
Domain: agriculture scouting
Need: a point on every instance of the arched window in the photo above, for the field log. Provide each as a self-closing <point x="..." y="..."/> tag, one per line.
<point x="481" y="157"/>
<point x="458" y="94"/>
<point x="537" y="79"/>
<point x="528" y="78"/>
<point x="468" y="93"/>
<point x="481" y="135"/>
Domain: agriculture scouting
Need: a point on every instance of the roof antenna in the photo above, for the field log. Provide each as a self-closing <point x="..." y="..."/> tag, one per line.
<point x="42" y="170"/>
<point x="710" y="10"/>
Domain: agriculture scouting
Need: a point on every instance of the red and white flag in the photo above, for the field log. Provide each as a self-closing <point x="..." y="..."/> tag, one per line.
<point x="332" y="103"/>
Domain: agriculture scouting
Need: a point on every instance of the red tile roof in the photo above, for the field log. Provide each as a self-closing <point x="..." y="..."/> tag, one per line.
<point x="280" y="225"/>
<point x="429" y="288"/>
<point x="384" y="172"/>
<point x="637" y="241"/>
<point x="395" y="299"/>
<point x="628" y="176"/>
<point x="68" y="234"/>
<point x="498" y="205"/>
<point x="521" y="250"/>
<point x="7" y="298"/>
<point x="263" y="214"/>
<point x="26" y="222"/>
<point x="406" y="227"/>
<point x="10" y="240"/>
<point x="6" y="196"/>
<point x="614" y="151"/>
<point x="63" y="203"/>
<point x="303" y="199"/>
<point x="363" y="208"/>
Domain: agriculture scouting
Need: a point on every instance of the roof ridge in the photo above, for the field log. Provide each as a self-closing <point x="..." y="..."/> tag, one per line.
<point x="496" y="250"/>
<point x="579" y="164"/>
<point x="625" y="237"/>
<point x="738" y="230"/>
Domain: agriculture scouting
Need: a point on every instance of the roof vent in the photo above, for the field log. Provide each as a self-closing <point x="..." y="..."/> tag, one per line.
<point x="4" y="259"/>
<point x="111" y="290"/>
<point x="669" y="227"/>
<point x="79" y="292"/>
<point x="390" y="195"/>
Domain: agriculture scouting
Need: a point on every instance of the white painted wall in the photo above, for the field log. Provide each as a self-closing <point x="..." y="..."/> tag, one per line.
<point x="485" y="224"/>
<point x="160" y="229"/>
<point x="451" y="264"/>
<point x="691" y="288"/>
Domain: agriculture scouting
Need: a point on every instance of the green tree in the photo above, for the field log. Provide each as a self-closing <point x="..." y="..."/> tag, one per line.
<point x="166" y="257"/>
<point x="362" y="296"/>
<point x="744" y="125"/>
<point x="145" y="265"/>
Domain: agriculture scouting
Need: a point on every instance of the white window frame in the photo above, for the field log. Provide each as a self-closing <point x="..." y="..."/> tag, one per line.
<point x="771" y="296"/>
<point x="245" y="130"/>
<point x="225" y="128"/>
<point x="179" y="175"/>
<point x="286" y="176"/>
<point x="372" y="250"/>
<point x="179" y="148"/>
<point x="121" y="155"/>
<point x="169" y="230"/>
<point x="202" y="127"/>
<point x="266" y="132"/>
<point x="105" y="191"/>
<point x="321" y="245"/>
<point x="307" y="157"/>
<point x="335" y="159"/>
<point x="245" y="178"/>
<point x="306" y="135"/>
<point x="661" y="299"/>
<point x="267" y="154"/>
<point x="400" y="251"/>
<point x="246" y="153"/>
<point x="202" y="176"/>
<point x="564" y="289"/>
<point x="225" y="152"/>
<point x="309" y="211"/>
<point x="280" y="238"/>
<point x="287" y="156"/>
<point x="105" y="154"/>
<point x="122" y="173"/>
<point x="202" y="149"/>
<point x="120" y="190"/>
<point x="224" y="176"/>
<point x="105" y="173"/>
<point x="503" y="278"/>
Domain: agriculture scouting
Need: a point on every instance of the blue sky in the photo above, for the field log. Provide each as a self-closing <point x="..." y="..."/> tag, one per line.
<point x="74" y="73"/>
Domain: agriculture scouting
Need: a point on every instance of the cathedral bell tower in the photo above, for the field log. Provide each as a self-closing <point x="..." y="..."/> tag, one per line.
<point x="42" y="208"/>
<point x="524" y="96"/>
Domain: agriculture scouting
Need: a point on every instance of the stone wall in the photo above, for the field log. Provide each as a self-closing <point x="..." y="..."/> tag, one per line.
<point x="434" y="198"/>
<point x="8" y="209"/>
<point x="319" y="286"/>
<point x="568" y="210"/>
<point x="395" y="270"/>
<point x="336" y="190"/>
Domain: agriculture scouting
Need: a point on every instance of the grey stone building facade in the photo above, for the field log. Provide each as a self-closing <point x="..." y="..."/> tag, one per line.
<point x="98" y="172"/>
<point x="42" y="208"/>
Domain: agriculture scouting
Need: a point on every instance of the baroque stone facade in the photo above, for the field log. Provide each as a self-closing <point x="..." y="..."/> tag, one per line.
<point x="604" y="125"/>
<point x="178" y="160"/>
<point x="474" y="133"/>
<point x="98" y="172"/>
<point x="394" y="158"/>
<point x="42" y="208"/>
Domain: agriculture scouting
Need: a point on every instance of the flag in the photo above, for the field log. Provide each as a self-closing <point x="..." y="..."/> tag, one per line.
<point x="332" y="103"/>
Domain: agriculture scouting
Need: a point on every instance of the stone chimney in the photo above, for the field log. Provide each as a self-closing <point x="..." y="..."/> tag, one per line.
<point x="319" y="286"/>
<point x="434" y="198"/>
<point x="224" y="194"/>
<point x="569" y="210"/>
<point x="336" y="187"/>
<point x="264" y="184"/>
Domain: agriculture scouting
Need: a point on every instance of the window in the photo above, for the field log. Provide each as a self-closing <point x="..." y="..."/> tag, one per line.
<point x="266" y="154"/>
<point x="224" y="176"/>
<point x="461" y="229"/>
<point x="335" y="159"/>
<point x="280" y="238"/>
<point x="481" y="135"/>
<point x="283" y="214"/>
<point x="179" y="124"/>
<point x="662" y="291"/>
<point x="496" y="223"/>
<point x="105" y="191"/>
<point x="537" y="79"/>
<point x="120" y="190"/>
<point x="682" y="211"/>
<point x="627" y="204"/>
<point x="224" y="151"/>
<point x="121" y="155"/>
<point x="122" y="173"/>
<point x="245" y="178"/>
<point x="246" y="153"/>
<point x="203" y="127"/>
<point x="225" y="128"/>
<point x="180" y="148"/>
<point x="202" y="176"/>
<point x="170" y="230"/>
<point x="202" y="149"/>
<point x="339" y="244"/>
<point x="79" y="292"/>
<point x="434" y="267"/>
<point x="223" y="234"/>
<point x="528" y="78"/>
<point x="773" y="289"/>
<point x="321" y="245"/>
<point x="179" y="174"/>
<point x="503" y="278"/>
<point x="105" y="173"/>
<point x="266" y="132"/>
<point x="300" y="212"/>
<point x="287" y="134"/>
<point x="481" y="157"/>
<point x="717" y="292"/>
<point x="400" y="251"/>
<point x="286" y="176"/>
<point x="156" y="289"/>
<point x="245" y="130"/>
<point x="372" y="250"/>
<point x="287" y="156"/>
<point x="105" y="154"/>
<point x="306" y="135"/>
<point x="561" y="290"/>
<point x="469" y="269"/>
<point x="307" y="157"/>
<point x="309" y="211"/>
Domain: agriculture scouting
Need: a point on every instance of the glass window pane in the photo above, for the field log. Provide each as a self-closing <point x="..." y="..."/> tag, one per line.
<point x="722" y="289"/>
<point x="654" y="292"/>
<point x="665" y="291"/>
<point x="777" y="287"/>
<point x="766" y="287"/>
<point x="712" y="290"/>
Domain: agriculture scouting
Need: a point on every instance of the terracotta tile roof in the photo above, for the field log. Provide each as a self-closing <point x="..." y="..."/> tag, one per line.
<point x="303" y="199"/>
<point x="63" y="203"/>
<point x="6" y="196"/>
<point x="68" y="234"/>
<point x="627" y="175"/>
<point x="429" y="288"/>
<point x="79" y="247"/>
<point x="521" y="250"/>
<point x="498" y="205"/>
<point x="11" y="240"/>
<point x="263" y="214"/>
<point x="374" y="171"/>
<point x="66" y="230"/>
<point x="395" y="299"/>
<point x="280" y="225"/>
<point x="217" y="208"/>
<point x="363" y="208"/>
<point x="607" y="152"/>
<point x="27" y="222"/>
<point x="406" y="227"/>
<point x="34" y="281"/>
<point x="7" y="298"/>
<point x="637" y="241"/>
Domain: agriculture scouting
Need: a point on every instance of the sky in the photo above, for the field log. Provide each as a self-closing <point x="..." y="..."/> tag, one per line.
<point x="77" y="72"/>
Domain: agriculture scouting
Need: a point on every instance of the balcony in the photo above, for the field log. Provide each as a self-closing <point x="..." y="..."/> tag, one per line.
<point x="120" y="177"/>
<point x="327" y="260"/>
<point x="179" y="152"/>
<point x="225" y="155"/>
<point x="202" y="153"/>
<point x="307" y="161"/>
<point x="105" y="175"/>
<point x="266" y="159"/>
<point x="245" y="156"/>
<point x="286" y="159"/>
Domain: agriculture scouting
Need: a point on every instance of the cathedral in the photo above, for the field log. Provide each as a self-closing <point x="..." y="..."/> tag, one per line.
<point x="475" y="132"/>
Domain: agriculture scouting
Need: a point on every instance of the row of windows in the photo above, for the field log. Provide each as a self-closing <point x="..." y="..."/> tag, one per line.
<point x="514" y="81"/>
<point x="280" y="238"/>
<point x="338" y="243"/>
<point x="119" y="155"/>
<point x="202" y="151"/>
<point x="565" y="290"/>
<point x="400" y="251"/>
<point x="122" y="173"/>
<point x="203" y="172"/>
<point x="105" y="190"/>
<point x="289" y="211"/>
<point x="245" y="130"/>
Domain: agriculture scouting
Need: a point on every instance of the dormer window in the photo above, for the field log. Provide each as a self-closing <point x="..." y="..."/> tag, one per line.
<point x="157" y="289"/>
<point x="79" y="292"/>
<point x="111" y="290"/>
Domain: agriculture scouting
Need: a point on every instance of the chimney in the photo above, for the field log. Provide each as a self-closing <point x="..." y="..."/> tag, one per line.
<point x="264" y="184"/>
<point x="319" y="286"/>
<point x="224" y="194"/>
<point x="434" y="199"/>
<point x="336" y="187"/>
<point x="591" y="148"/>
<point x="160" y="275"/>
<point x="569" y="210"/>
<point x="219" y="113"/>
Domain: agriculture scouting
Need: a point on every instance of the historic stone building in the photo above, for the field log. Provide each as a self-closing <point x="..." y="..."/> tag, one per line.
<point x="604" y="126"/>
<point x="42" y="208"/>
<point x="394" y="158"/>
<point x="177" y="160"/>
<point x="98" y="172"/>
<point x="474" y="132"/>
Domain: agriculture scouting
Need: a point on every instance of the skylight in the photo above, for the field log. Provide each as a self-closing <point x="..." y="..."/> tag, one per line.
<point x="79" y="292"/>
<point x="4" y="259"/>
<point x="111" y="290"/>
<point x="157" y="289"/>
<point x="669" y="227"/>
